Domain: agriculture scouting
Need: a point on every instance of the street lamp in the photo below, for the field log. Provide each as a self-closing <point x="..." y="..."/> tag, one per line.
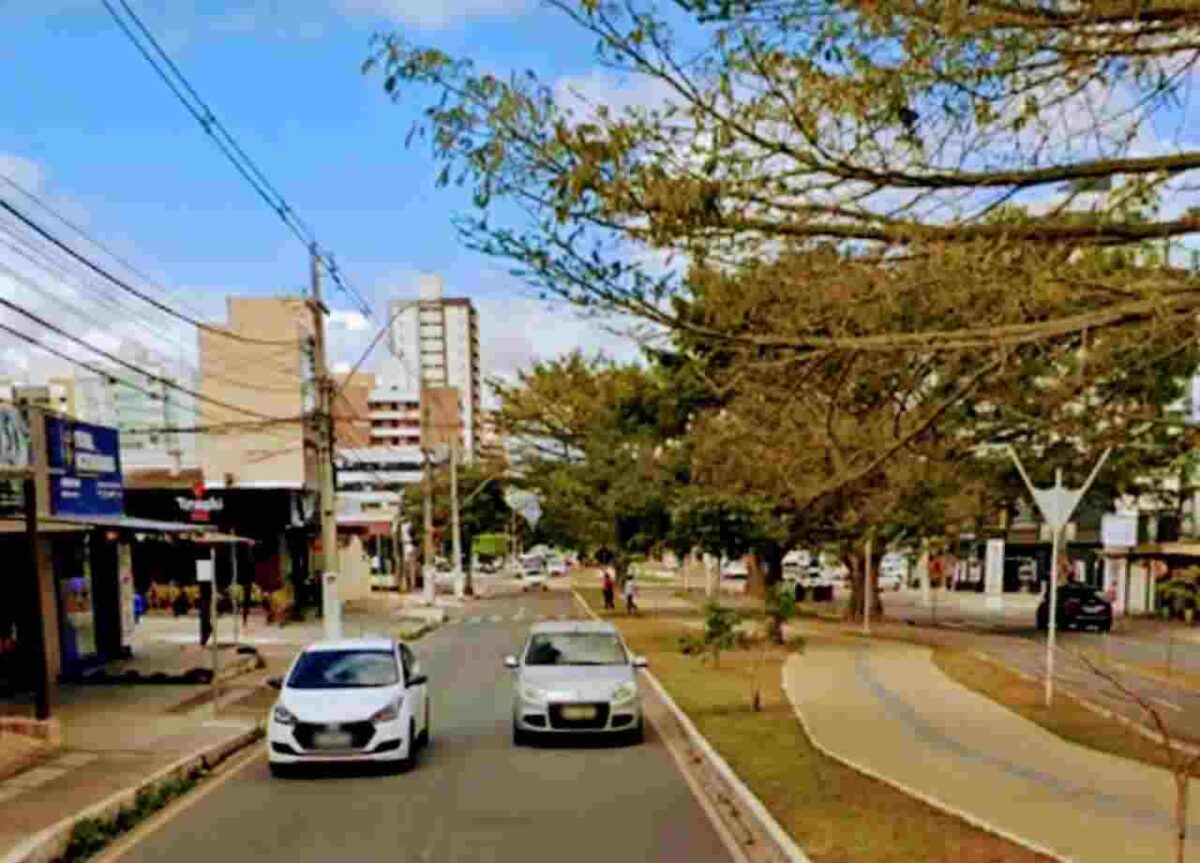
<point x="1056" y="505"/>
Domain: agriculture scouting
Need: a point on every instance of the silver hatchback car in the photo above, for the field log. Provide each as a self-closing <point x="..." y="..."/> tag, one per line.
<point x="575" y="677"/>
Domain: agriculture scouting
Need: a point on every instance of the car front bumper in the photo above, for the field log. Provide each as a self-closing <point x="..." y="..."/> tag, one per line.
<point x="548" y="717"/>
<point x="372" y="741"/>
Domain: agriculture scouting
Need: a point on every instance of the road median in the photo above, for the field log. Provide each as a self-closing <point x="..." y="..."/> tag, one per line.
<point x="828" y="812"/>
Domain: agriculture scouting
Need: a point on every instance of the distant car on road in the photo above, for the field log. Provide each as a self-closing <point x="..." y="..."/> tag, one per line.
<point x="556" y="565"/>
<point x="1080" y="606"/>
<point x="361" y="699"/>
<point x="575" y="677"/>
<point x="533" y="571"/>
<point x="735" y="569"/>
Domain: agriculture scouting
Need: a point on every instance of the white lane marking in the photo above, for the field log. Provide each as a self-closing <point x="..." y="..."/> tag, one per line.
<point x="495" y="618"/>
<point x="36" y="777"/>
<point x="474" y="619"/>
<point x="520" y="615"/>
<point x="75" y="759"/>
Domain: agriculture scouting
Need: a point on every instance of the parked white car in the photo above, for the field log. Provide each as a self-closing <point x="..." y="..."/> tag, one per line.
<point x="735" y="569"/>
<point x="575" y="677"/>
<point x="362" y="699"/>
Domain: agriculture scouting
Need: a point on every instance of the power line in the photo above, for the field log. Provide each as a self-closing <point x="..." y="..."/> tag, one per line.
<point x="125" y="286"/>
<point x="37" y="258"/>
<point x="178" y="83"/>
<point x="79" y="231"/>
<point x="54" y="328"/>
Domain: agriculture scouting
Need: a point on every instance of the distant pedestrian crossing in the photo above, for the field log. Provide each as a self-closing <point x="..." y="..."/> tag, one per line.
<point x="520" y="616"/>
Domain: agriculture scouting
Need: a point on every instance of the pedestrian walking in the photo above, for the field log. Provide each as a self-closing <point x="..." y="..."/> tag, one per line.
<point x="630" y="595"/>
<point x="608" y="588"/>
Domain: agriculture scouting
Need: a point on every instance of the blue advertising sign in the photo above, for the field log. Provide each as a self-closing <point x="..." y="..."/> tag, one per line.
<point x="85" y="468"/>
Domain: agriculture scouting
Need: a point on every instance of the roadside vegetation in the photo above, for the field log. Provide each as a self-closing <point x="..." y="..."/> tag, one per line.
<point x="835" y="814"/>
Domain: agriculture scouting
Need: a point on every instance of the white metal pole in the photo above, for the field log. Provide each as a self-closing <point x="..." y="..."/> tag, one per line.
<point x="233" y="592"/>
<point x="1052" y="620"/>
<point x="867" y="590"/>
<point x="212" y="611"/>
<point x="455" y="523"/>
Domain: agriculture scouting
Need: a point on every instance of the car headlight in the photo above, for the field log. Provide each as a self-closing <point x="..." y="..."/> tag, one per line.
<point x="284" y="716"/>
<point x="624" y="693"/>
<point x="532" y="694"/>
<point x="389" y="713"/>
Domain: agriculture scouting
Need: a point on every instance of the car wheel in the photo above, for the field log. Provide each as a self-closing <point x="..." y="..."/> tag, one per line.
<point x="409" y="761"/>
<point x="280" y="771"/>
<point x="638" y="735"/>
<point x="425" y="735"/>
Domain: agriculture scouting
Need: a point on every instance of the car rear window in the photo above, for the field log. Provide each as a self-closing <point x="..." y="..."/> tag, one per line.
<point x="344" y="669"/>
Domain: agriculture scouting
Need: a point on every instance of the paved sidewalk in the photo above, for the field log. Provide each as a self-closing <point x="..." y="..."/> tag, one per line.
<point x="113" y="736"/>
<point x="885" y="707"/>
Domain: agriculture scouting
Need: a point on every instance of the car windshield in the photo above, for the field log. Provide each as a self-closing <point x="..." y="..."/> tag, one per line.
<point x="575" y="648"/>
<point x="344" y="669"/>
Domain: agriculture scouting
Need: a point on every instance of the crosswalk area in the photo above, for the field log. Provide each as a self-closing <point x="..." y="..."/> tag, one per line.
<point x="495" y="619"/>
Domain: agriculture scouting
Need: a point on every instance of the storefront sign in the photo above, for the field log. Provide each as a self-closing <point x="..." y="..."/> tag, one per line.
<point x="1119" y="530"/>
<point x="200" y="510"/>
<point x="204" y="571"/>
<point x="85" y="468"/>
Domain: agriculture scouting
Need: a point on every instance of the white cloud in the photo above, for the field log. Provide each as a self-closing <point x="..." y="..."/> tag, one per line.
<point x="348" y="320"/>
<point x="619" y="92"/>
<point x="435" y="14"/>
<point x="24" y="172"/>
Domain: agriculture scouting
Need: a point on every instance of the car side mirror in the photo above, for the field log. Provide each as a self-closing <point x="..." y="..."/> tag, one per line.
<point x="275" y="682"/>
<point x="418" y="679"/>
<point x="510" y="662"/>
<point x="639" y="662"/>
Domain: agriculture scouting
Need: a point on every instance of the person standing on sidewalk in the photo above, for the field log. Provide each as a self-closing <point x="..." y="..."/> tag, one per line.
<point x="630" y="595"/>
<point x="608" y="588"/>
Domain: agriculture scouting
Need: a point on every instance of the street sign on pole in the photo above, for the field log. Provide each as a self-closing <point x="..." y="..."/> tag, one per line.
<point x="1056" y="504"/>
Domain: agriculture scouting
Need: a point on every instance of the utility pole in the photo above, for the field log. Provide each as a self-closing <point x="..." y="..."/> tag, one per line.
<point x="867" y="589"/>
<point x="331" y="610"/>
<point x="455" y="523"/>
<point x="427" y="568"/>
<point x="1056" y="504"/>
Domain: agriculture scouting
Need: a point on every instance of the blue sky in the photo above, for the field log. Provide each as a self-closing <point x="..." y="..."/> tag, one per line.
<point x="92" y="128"/>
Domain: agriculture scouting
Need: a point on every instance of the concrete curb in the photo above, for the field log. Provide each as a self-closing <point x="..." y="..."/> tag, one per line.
<point x="928" y="799"/>
<point x="1132" y="724"/>
<point x="786" y="846"/>
<point x="50" y="843"/>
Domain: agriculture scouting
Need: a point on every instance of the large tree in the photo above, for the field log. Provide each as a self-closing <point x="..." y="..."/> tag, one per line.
<point x="599" y="442"/>
<point x="961" y="191"/>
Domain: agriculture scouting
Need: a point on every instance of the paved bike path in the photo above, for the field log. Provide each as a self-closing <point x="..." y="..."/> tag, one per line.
<point x="888" y="709"/>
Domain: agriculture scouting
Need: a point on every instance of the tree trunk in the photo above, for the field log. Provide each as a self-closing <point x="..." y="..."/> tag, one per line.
<point x="765" y="570"/>
<point x="1182" y="780"/>
<point x="855" y="561"/>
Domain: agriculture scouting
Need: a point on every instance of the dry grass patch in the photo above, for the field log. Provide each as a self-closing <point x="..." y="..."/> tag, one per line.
<point x="836" y="814"/>
<point x="1067" y="718"/>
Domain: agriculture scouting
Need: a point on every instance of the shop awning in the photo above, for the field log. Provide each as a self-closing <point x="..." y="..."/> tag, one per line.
<point x="125" y="522"/>
<point x="221" y="539"/>
<point x="10" y="526"/>
<point x="1168" y="549"/>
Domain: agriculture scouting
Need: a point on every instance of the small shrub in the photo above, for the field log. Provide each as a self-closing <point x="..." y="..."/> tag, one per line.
<point x="87" y="837"/>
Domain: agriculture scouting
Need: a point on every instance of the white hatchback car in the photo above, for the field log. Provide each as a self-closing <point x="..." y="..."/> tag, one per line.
<point x="575" y="677"/>
<point x="362" y="699"/>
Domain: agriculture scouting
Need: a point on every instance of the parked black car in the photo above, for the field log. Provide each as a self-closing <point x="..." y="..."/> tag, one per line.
<point x="1080" y="606"/>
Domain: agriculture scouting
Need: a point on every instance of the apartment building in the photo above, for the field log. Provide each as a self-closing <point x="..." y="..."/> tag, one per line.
<point x="436" y="340"/>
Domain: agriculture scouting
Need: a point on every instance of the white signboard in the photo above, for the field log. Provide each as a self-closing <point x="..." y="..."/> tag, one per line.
<point x="1118" y="530"/>
<point x="125" y="580"/>
<point x="14" y="438"/>
<point x="204" y="571"/>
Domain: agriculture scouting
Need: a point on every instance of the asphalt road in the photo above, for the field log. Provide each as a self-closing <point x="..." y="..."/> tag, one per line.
<point x="472" y="797"/>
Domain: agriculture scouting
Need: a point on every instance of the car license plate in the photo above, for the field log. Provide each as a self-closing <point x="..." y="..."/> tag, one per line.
<point x="579" y="711"/>
<point x="332" y="740"/>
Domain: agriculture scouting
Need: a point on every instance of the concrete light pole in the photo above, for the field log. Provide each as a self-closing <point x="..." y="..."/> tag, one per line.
<point x="1056" y="504"/>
